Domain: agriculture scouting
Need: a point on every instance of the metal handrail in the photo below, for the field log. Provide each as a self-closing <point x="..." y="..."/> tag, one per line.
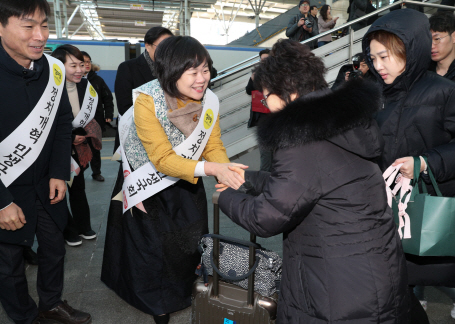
<point x="256" y="59"/>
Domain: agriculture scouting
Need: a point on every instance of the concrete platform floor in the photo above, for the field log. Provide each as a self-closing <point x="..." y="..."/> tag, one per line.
<point x="84" y="290"/>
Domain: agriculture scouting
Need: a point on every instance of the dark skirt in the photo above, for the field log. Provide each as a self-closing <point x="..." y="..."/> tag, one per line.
<point x="150" y="258"/>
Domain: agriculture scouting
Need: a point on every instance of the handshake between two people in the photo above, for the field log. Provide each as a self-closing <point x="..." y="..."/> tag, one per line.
<point x="228" y="175"/>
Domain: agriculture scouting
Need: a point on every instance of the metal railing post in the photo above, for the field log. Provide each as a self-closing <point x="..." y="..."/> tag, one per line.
<point x="351" y="43"/>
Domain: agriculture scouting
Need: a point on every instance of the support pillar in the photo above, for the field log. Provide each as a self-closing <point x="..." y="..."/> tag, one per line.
<point x="57" y="19"/>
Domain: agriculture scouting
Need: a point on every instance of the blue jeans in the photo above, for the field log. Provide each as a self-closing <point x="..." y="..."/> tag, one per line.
<point x="322" y="43"/>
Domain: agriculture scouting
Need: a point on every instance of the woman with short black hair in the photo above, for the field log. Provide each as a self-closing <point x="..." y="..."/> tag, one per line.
<point x="342" y="257"/>
<point x="151" y="251"/>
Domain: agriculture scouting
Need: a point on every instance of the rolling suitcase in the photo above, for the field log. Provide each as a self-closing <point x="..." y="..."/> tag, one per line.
<point x="220" y="302"/>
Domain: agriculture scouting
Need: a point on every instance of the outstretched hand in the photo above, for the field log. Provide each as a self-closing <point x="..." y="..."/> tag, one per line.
<point x="224" y="174"/>
<point x="221" y="187"/>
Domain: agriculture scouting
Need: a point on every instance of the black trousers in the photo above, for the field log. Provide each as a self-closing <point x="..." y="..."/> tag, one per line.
<point x="80" y="221"/>
<point x="14" y="295"/>
<point x="95" y="163"/>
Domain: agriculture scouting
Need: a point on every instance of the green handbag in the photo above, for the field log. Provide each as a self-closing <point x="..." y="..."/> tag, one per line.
<point x="432" y="219"/>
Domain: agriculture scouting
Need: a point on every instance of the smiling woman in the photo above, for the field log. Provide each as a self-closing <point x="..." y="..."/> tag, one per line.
<point x="82" y="135"/>
<point x="154" y="244"/>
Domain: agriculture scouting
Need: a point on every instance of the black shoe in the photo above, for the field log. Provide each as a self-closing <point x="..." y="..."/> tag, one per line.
<point x="66" y="314"/>
<point x="98" y="177"/>
<point x="42" y="321"/>
<point x="89" y="235"/>
<point x="39" y="320"/>
<point x="163" y="319"/>
<point x="30" y="256"/>
<point x="73" y="240"/>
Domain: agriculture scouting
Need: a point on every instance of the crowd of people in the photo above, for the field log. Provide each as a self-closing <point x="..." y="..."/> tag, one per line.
<point x="323" y="152"/>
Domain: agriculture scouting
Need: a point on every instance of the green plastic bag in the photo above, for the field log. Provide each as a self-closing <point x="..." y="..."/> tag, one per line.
<point x="432" y="219"/>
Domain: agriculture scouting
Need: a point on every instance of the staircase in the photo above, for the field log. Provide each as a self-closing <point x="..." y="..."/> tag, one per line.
<point x="235" y="103"/>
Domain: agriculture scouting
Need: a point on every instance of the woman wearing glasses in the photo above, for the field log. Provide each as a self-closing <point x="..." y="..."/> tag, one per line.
<point x="342" y="258"/>
<point x="417" y="119"/>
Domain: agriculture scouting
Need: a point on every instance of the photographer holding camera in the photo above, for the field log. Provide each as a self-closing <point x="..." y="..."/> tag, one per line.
<point x="358" y="69"/>
<point x="303" y="26"/>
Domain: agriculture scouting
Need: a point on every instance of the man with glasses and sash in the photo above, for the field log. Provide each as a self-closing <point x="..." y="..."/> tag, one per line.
<point x="35" y="150"/>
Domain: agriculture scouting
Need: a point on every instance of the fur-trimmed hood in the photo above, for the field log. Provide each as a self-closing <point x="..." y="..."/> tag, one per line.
<point x="343" y="117"/>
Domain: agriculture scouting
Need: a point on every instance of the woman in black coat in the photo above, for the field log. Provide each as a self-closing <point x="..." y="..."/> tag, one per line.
<point x="342" y="258"/>
<point x="79" y="224"/>
<point x="417" y="119"/>
<point x="418" y="116"/>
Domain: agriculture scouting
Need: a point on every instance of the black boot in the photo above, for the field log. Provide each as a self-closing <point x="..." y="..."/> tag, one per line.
<point x="163" y="319"/>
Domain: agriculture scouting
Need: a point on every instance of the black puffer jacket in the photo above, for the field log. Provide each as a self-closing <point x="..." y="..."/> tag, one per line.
<point x="418" y="117"/>
<point x="342" y="258"/>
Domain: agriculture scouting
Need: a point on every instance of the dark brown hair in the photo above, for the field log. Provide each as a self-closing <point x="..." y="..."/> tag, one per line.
<point x="291" y="68"/>
<point x="323" y="12"/>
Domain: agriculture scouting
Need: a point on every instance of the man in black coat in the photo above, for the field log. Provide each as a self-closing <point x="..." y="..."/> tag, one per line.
<point x="31" y="198"/>
<point x="136" y="72"/>
<point x="442" y="27"/>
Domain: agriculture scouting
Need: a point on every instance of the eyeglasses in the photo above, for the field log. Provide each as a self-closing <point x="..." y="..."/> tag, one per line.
<point x="264" y="101"/>
<point x="87" y="62"/>
<point x="436" y="41"/>
<point x="305" y="5"/>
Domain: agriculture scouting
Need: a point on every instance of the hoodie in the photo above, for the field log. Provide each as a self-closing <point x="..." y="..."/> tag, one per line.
<point x="418" y="113"/>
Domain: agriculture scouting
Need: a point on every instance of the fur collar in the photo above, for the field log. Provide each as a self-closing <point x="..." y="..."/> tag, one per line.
<point x="320" y="115"/>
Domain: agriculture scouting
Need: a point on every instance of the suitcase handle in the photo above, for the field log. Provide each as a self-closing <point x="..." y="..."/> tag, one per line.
<point x="215" y="257"/>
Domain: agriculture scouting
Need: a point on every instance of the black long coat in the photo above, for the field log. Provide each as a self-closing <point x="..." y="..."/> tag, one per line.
<point x="130" y="75"/>
<point x="342" y="257"/>
<point x="105" y="107"/>
<point x="418" y="118"/>
<point x="19" y="92"/>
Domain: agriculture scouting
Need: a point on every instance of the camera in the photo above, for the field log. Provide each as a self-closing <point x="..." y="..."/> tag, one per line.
<point x="356" y="73"/>
<point x="308" y="23"/>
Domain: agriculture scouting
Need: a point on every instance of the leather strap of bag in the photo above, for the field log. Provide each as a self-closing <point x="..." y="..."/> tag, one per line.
<point x="417" y="165"/>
